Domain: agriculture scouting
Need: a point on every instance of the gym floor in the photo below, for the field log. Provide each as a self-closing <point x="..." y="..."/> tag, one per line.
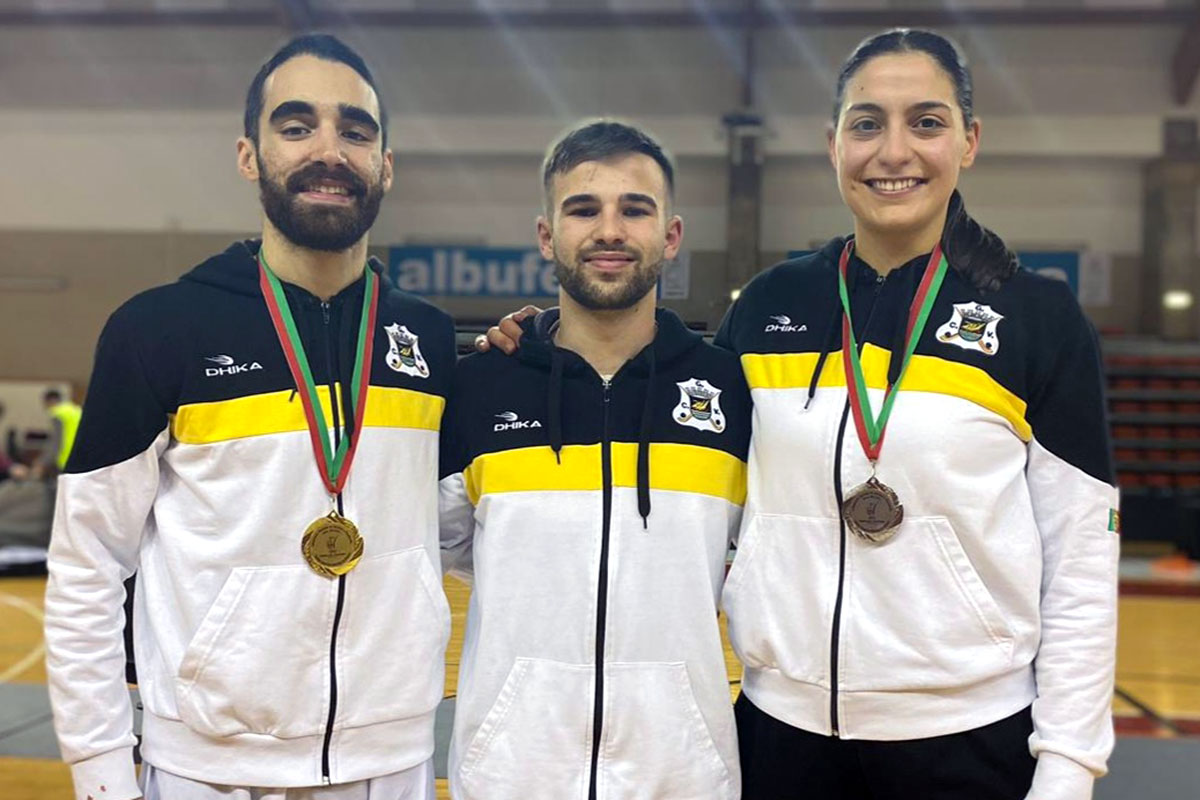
<point x="1157" y="704"/>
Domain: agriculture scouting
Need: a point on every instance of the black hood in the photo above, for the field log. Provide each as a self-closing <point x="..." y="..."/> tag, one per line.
<point x="672" y="341"/>
<point x="236" y="269"/>
<point x="859" y="272"/>
<point x="831" y="251"/>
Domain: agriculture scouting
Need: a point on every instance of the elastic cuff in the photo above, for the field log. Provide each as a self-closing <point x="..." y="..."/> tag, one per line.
<point x="1059" y="778"/>
<point x="108" y="776"/>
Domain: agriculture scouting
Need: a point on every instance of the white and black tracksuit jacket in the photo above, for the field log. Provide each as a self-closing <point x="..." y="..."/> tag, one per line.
<point x="193" y="467"/>
<point x="999" y="591"/>
<point x="596" y="517"/>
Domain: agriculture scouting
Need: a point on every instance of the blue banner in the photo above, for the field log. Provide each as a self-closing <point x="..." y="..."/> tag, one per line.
<point x="472" y="271"/>
<point x="1061" y="265"/>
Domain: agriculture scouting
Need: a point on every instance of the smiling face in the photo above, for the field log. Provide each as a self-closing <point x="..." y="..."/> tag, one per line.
<point x="319" y="163"/>
<point x="609" y="230"/>
<point x="898" y="146"/>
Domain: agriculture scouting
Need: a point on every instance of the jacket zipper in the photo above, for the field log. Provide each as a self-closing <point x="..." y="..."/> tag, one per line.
<point x="341" y="595"/>
<point x="836" y="633"/>
<point x="601" y="596"/>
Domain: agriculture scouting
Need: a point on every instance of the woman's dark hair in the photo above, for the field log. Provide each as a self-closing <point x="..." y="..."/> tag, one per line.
<point x="980" y="255"/>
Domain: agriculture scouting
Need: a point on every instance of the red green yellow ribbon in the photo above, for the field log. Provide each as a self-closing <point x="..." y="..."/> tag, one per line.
<point x="871" y="429"/>
<point x="334" y="465"/>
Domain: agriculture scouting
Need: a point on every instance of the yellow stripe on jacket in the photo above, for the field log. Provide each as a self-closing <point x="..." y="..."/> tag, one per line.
<point x="282" y="412"/>
<point x="924" y="374"/>
<point x="673" y="467"/>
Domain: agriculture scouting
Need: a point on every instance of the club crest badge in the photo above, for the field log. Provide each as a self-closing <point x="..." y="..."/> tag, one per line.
<point x="699" y="406"/>
<point x="973" y="327"/>
<point x="404" y="352"/>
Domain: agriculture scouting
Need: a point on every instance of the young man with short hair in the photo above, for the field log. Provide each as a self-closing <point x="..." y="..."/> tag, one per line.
<point x="592" y="484"/>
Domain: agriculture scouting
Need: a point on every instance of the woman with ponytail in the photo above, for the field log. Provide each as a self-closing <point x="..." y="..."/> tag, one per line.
<point x="924" y="594"/>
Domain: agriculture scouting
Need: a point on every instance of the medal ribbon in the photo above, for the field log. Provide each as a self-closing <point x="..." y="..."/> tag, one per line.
<point x="871" y="429"/>
<point x="334" y="465"/>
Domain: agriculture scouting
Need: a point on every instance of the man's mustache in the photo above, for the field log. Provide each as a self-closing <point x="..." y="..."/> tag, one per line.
<point x="622" y="249"/>
<point x="307" y="178"/>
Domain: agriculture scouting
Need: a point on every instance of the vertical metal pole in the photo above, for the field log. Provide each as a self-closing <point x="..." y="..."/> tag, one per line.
<point x="744" y="130"/>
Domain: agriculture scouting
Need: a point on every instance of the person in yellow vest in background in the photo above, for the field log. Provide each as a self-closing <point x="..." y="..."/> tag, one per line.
<point x="64" y="422"/>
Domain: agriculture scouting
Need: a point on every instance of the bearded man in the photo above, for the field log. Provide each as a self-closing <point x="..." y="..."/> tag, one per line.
<point x="259" y="443"/>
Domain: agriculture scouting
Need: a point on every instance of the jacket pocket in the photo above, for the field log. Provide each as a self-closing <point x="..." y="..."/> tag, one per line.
<point x="657" y="745"/>
<point x="392" y="645"/>
<point x="923" y="614"/>
<point x="259" y="661"/>
<point x="534" y="742"/>
<point x="780" y="592"/>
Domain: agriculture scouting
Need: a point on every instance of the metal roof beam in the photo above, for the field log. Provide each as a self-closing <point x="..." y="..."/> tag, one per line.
<point x="1185" y="64"/>
<point x="301" y="11"/>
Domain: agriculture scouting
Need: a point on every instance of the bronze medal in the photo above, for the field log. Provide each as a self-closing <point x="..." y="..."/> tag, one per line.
<point x="873" y="512"/>
<point x="332" y="545"/>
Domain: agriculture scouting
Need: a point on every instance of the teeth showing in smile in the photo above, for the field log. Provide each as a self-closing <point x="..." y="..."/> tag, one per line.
<point x="322" y="189"/>
<point x="894" y="186"/>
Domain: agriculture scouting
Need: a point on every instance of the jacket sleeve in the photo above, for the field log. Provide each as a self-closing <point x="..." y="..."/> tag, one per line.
<point x="456" y="513"/>
<point x="726" y="339"/>
<point x="104" y="498"/>
<point x="742" y="451"/>
<point x="1071" y="484"/>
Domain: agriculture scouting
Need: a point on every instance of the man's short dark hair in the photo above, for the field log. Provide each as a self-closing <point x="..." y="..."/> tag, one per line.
<point x="597" y="140"/>
<point x="52" y="396"/>
<point x="323" y="46"/>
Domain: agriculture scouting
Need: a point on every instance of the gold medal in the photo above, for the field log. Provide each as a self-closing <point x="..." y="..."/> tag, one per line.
<point x="873" y="512"/>
<point x="332" y="545"/>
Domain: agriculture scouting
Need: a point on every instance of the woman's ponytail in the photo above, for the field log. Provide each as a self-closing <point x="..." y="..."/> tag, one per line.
<point x="975" y="252"/>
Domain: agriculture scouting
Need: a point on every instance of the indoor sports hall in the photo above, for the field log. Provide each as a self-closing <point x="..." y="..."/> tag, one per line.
<point x="118" y="128"/>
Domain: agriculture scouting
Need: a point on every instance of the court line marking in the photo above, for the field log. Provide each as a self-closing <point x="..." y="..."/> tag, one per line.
<point x="1149" y="712"/>
<point x="21" y="727"/>
<point x="38" y="651"/>
<point x="1150" y="677"/>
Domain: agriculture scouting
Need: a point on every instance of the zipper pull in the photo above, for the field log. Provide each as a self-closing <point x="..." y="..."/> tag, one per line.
<point x="607" y="388"/>
<point x="325" y="311"/>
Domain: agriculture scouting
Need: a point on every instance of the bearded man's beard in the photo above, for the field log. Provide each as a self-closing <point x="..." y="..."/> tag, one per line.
<point x="596" y="295"/>
<point x="328" y="228"/>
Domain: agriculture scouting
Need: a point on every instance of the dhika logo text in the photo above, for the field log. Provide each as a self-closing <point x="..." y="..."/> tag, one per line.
<point x="512" y="422"/>
<point x="227" y="365"/>
<point x="782" y="323"/>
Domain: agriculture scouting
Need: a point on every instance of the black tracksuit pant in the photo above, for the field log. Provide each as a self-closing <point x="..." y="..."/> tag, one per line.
<point x="780" y="762"/>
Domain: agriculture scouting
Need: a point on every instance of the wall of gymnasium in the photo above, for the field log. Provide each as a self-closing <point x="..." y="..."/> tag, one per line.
<point x="119" y="168"/>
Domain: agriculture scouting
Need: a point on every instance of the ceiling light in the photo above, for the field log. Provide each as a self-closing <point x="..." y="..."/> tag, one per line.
<point x="1177" y="300"/>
